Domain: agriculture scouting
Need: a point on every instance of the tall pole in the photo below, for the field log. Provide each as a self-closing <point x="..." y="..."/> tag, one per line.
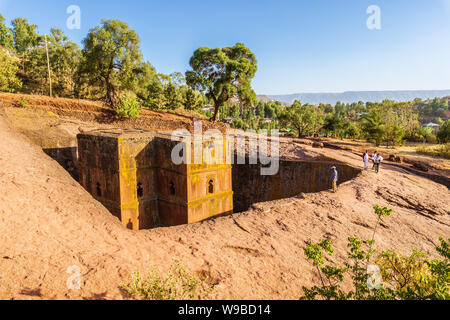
<point x="48" y="67"/>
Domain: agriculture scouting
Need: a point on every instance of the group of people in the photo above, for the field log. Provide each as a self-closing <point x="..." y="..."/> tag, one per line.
<point x="377" y="159"/>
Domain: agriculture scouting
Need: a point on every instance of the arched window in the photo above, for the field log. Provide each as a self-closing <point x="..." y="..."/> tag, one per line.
<point x="211" y="186"/>
<point x="140" y="190"/>
<point x="99" y="190"/>
<point x="172" y="188"/>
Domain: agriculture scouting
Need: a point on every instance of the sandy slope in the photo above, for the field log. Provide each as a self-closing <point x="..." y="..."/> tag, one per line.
<point x="49" y="223"/>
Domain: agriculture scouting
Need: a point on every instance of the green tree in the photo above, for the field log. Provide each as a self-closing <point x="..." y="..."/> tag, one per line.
<point x="270" y="111"/>
<point x="400" y="120"/>
<point x="177" y="79"/>
<point x="6" y="35"/>
<point x="156" y="97"/>
<point x="193" y="100"/>
<point x="350" y="129"/>
<point x="146" y="79"/>
<point x="223" y="74"/>
<point x="444" y="133"/>
<point x="112" y="59"/>
<point x="421" y="133"/>
<point x="333" y="124"/>
<point x="8" y="75"/>
<point x="373" y="126"/>
<point x="25" y="35"/>
<point x="304" y="118"/>
<point x="260" y="111"/>
<point x="130" y="108"/>
<point x="173" y="96"/>
<point x="65" y="57"/>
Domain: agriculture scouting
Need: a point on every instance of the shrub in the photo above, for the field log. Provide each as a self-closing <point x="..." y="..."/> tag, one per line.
<point x="23" y="103"/>
<point x="415" y="277"/>
<point x="431" y="138"/>
<point x="444" y="133"/>
<point x="406" y="278"/>
<point x="178" y="284"/>
<point x="129" y="108"/>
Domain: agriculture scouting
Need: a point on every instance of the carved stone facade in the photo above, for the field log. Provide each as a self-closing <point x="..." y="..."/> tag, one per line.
<point x="131" y="173"/>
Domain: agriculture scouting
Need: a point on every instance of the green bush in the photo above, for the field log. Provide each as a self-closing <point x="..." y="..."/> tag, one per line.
<point x="431" y="138"/>
<point x="444" y="133"/>
<point x="403" y="277"/>
<point x="178" y="284"/>
<point x="415" y="277"/>
<point x="23" y="103"/>
<point x="130" y="108"/>
<point x="399" y="277"/>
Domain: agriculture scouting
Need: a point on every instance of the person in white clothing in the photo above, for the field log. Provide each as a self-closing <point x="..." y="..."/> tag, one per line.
<point x="378" y="161"/>
<point x="366" y="160"/>
<point x="374" y="157"/>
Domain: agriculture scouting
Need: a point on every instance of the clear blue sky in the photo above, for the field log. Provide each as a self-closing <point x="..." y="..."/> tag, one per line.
<point x="301" y="45"/>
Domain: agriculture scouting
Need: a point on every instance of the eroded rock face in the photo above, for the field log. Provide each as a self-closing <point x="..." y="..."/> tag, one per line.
<point x="292" y="179"/>
<point x="318" y="145"/>
<point x="421" y="166"/>
<point x="394" y="158"/>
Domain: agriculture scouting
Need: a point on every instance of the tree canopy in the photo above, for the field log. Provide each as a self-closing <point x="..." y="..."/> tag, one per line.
<point x="304" y="118"/>
<point x="6" y="35"/>
<point x="112" y="59"/>
<point x="25" y="35"/>
<point x="223" y="74"/>
<point x="8" y="75"/>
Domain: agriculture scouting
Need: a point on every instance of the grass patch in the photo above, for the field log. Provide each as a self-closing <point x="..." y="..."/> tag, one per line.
<point x="23" y="103"/>
<point x="177" y="284"/>
<point x="438" y="151"/>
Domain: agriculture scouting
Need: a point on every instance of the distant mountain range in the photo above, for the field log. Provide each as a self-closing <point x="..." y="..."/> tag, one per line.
<point x="356" y="96"/>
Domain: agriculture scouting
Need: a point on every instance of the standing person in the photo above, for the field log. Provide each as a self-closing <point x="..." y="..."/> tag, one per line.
<point x="378" y="161"/>
<point x="366" y="160"/>
<point x="374" y="157"/>
<point x="334" y="179"/>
